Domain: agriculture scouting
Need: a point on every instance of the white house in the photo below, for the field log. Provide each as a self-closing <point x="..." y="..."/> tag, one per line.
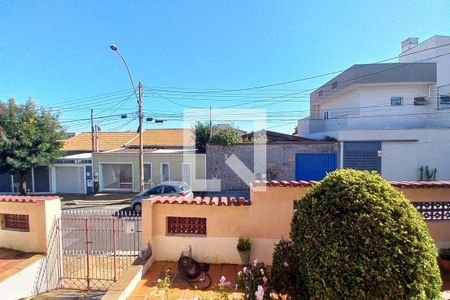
<point x="392" y="117"/>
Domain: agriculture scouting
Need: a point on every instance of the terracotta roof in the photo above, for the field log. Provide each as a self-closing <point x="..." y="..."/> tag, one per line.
<point x="26" y="199"/>
<point x="106" y="141"/>
<point x="406" y="184"/>
<point x="114" y="140"/>
<point x="218" y="201"/>
<point x="135" y="151"/>
<point x="165" y="138"/>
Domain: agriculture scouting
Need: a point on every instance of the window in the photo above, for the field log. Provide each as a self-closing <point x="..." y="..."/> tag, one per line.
<point x="155" y="191"/>
<point x="147" y="175"/>
<point x="395" y="101"/>
<point x="186" y="226"/>
<point x="325" y="115"/>
<point x="334" y="85"/>
<point x="165" y="172"/>
<point x="420" y="101"/>
<point x="117" y="176"/>
<point x="169" y="189"/>
<point x="445" y="100"/>
<point x="16" y="222"/>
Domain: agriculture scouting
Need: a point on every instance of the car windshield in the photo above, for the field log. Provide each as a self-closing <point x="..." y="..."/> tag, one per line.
<point x="185" y="187"/>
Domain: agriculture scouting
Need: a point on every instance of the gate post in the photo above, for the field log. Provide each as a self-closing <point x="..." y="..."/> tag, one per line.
<point x="87" y="254"/>
<point x="115" y="247"/>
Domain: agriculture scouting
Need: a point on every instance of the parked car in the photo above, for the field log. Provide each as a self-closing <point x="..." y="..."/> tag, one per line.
<point x="167" y="188"/>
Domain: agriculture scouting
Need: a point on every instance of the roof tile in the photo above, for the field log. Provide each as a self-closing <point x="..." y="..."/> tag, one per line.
<point x="400" y="184"/>
<point x="216" y="201"/>
<point x="26" y="199"/>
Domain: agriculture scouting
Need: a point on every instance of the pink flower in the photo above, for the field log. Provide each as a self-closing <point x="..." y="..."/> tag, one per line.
<point x="259" y="293"/>
<point x="264" y="279"/>
<point x="245" y="270"/>
<point x="223" y="279"/>
<point x="255" y="262"/>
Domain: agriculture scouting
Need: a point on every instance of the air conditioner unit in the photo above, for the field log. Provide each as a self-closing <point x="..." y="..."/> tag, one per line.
<point x="444" y="99"/>
<point x="421" y="100"/>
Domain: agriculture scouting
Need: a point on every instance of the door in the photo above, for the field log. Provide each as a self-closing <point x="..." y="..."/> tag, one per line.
<point x="70" y="180"/>
<point x="314" y="166"/>
<point x="362" y="156"/>
<point x="186" y="173"/>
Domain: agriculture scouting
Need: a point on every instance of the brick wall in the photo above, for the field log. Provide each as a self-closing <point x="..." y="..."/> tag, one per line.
<point x="280" y="159"/>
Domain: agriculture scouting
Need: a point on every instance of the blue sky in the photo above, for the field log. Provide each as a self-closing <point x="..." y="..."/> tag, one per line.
<point x="58" y="53"/>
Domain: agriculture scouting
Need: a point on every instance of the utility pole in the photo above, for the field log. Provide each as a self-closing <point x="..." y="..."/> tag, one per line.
<point x="210" y="124"/>
<point x="92" y="130"/>
<point x="141" y="139"/>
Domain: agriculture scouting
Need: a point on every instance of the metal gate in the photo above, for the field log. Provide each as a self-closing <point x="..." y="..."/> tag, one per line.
<point x="97" y="247"/>
<point x="314" y="166"/>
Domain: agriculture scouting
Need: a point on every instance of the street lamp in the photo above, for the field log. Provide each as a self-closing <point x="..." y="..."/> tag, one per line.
<point x="141" y="117"/>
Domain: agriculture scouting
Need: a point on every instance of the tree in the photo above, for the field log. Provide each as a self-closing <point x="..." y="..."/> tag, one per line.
<point x="29" y="137"/>
<point x="202" y="133"/>
<point x="358" y="237"/>
<point x="224" y="136"/>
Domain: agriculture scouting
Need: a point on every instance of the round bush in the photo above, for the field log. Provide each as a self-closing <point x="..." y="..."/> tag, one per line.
<point x="360" y="238"/>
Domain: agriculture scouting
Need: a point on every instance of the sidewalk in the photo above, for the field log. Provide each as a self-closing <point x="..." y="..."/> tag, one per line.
<point x="96" y="199"/>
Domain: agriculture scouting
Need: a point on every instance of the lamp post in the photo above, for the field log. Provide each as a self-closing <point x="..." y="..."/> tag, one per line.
<point x="138" y="95"/>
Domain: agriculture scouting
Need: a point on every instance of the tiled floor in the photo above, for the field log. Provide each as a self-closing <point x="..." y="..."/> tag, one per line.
<point x="147" y="287"/>
<point x="10" y="258"/>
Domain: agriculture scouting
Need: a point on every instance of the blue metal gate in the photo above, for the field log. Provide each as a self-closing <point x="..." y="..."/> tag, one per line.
<point x="314" y="166"/>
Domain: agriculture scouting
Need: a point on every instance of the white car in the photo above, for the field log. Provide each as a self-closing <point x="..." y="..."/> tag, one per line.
<point x="167" y="188"/>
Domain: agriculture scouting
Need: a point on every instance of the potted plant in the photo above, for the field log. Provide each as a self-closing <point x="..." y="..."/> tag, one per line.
<point x="444" y="259"/>
<point x="244" y="246"/>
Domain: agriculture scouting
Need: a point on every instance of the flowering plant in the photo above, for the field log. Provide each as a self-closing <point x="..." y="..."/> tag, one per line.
<point x="222" y="289"/>
<point x="253" y="281"/>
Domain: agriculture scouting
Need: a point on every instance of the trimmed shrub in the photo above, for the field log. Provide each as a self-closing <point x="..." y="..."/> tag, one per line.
<point x="285" y="278"/>
<point x="360" y="238"/>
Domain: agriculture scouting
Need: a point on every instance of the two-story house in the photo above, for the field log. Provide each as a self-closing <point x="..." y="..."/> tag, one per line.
<point x="391" y="117"/>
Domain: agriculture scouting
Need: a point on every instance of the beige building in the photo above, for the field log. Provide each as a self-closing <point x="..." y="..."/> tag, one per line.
<point x="119" y="170"/>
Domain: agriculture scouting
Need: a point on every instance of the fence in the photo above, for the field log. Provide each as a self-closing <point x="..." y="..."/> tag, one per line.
<point x="97" y="247"/>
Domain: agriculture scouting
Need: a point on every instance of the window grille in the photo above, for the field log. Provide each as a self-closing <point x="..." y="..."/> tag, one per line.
<point x="17" y="222"/>
<point x="186" y="226"/>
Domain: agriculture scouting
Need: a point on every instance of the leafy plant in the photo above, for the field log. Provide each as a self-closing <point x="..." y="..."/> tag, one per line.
<point x="445" y="253"/>
<point x="253" y="281"/>
<point x="226" y="136"/>
<point x="244" y="244"/>
<point x="285" y="278"/>
<point x="360" y="238"/>
<point x="164" y="285"/>
<point x="222" y="289"/>
<point x="29" y="137"/>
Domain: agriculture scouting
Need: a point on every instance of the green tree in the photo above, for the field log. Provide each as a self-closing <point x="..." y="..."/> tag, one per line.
<point x="358" y="237"/>
<point x="202" y="133"/>
<point x="224" y="136"/>
<point x="29" y="137"/>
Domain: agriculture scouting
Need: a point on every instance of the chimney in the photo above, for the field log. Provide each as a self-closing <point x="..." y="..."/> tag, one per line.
<point x="409" y="43"/>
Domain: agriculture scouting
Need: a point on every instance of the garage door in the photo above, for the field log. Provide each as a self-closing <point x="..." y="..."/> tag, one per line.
<point x="70" y="180"/>
<point x="314" y="166"/>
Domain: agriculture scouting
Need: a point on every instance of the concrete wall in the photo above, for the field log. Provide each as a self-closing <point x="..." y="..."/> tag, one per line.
<point x="42" y="217"/>
<point x="443" y="62"/>
<point x="280" y="157"/>
<point x="266" y="221"/>
<point x="175" y="161"/>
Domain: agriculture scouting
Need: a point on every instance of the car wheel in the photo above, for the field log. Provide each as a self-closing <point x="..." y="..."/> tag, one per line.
<point x="137" y="208"/>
